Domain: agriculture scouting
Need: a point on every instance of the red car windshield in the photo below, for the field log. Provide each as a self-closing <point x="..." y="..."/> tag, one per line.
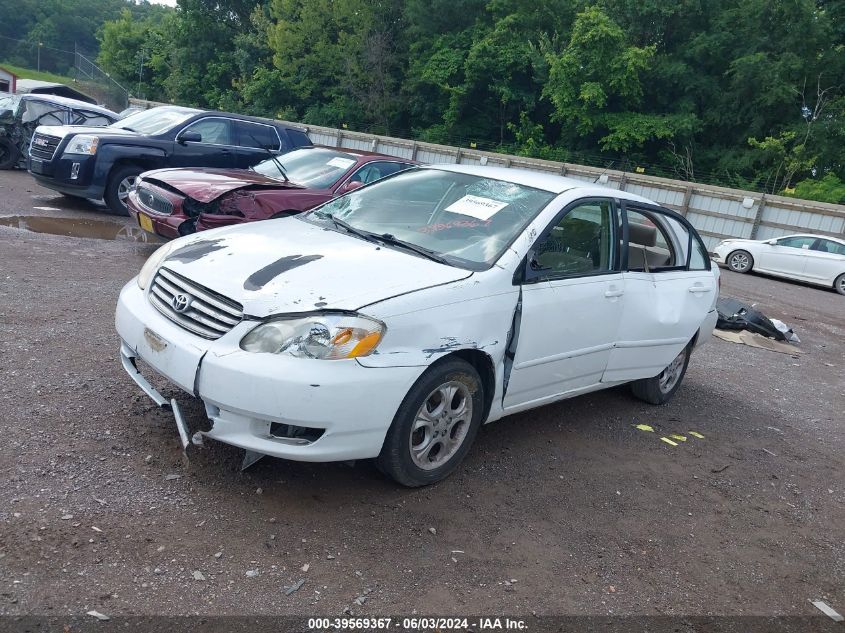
<point x="312" y="167"/>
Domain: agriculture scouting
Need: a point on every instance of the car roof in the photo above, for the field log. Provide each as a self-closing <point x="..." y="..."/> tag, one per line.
<point x="540" y="180"/>
<point x="66" y="102"/>
<point x="254" y="119"/>
<point x="839" y="240"/>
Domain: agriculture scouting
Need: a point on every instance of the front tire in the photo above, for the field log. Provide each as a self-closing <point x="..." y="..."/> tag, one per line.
<point x="839" y="284"/>
<point x="117" y="188"/>
<point x="740" y="261"/>
<point x="661" y="388"/>
<point x="435" y="425"/>
<point x="9" y="154"/>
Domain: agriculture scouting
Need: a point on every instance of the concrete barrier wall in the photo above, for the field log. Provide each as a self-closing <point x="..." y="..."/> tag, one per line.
<point x="716" y="212"/>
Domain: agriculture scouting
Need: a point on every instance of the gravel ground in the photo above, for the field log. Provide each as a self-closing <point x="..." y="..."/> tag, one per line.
<point x="567" y="509"/>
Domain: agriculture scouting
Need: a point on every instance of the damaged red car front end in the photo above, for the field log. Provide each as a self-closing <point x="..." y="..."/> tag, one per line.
<point x="175" y="202"/>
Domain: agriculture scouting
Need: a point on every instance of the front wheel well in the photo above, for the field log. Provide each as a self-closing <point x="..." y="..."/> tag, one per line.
<point x="483" y="364"/>
<point x="144" y="164"/>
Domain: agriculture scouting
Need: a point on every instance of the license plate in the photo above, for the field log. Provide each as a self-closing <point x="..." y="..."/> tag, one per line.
<point x="146" y="223"/>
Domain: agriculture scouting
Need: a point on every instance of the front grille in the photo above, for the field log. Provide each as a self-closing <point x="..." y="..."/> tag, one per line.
<point x="154" y="202"/>
<point x="206" y="313"/>
<point x="44" y="146"/>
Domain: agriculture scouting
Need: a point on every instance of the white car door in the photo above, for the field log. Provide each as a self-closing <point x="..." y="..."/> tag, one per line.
<point x="669" y="289"/>
<point x="787" y="256"/>
<point x="825" y="261"/>
<point x="571" y="305"/>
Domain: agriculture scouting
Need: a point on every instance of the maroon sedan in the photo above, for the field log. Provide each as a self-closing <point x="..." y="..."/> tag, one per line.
<point x="174" y="202"/>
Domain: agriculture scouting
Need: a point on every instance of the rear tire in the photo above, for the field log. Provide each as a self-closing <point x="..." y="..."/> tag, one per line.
<point x="9" y="154"/>
<point x="661" y="388"/>
<point x="839" y="284"/>
<point x="435" y="425"/>
<point x="117" y="188"/>
<point x="740" y="261"/>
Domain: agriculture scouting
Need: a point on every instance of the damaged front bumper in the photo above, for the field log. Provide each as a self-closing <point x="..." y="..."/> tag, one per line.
<point x="299" y="409"/>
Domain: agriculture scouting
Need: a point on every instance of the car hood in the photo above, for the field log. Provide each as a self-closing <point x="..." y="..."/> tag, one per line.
<point x="206" y="185"/>
<point x="64" y="130"/>
<point x="289" y="266"/>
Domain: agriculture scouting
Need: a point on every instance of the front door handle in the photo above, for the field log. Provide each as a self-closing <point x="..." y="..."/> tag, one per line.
<point x="697" y="289"/>
<point x="613" y="292"/>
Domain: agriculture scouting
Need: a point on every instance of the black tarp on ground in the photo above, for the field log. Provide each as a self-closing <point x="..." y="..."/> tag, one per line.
<point x="736" y="315"/>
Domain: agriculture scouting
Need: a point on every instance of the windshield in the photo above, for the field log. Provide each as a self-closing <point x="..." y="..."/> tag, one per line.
<point x="467" y="220"/>
<point x="313" y="167"/>
<point x="8" y="102"/>
<point x="154" y="121"/>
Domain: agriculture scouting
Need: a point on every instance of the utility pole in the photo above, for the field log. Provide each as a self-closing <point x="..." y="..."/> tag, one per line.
<point x="40" y="44"/>
<point x="140" y="72"/>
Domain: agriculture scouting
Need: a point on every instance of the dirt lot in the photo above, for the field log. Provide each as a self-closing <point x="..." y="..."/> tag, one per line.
<point x="564" y="510"/>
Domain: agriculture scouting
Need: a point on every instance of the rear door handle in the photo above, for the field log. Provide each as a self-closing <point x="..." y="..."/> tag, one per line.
<point x="613" y="292"/>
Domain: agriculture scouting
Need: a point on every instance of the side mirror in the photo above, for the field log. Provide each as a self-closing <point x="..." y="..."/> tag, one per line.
<point x="534" y="264"/>
<point x="351" y="185"/>
<point x="189" y="137"/>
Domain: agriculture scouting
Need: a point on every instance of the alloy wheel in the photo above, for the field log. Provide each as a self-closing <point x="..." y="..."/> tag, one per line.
<point x="441" y="425"/>
<point x="672" y="374"/>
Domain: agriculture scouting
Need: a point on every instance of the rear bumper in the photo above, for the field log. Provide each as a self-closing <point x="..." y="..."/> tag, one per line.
<point x="246" y="393"/>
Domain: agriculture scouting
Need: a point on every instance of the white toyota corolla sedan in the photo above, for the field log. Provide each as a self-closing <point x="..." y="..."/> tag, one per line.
<point x="816" y="259"/>
<point x="393" y="321"/>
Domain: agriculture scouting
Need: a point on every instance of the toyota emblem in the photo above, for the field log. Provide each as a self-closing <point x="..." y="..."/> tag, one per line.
<point x="181" y="302"/>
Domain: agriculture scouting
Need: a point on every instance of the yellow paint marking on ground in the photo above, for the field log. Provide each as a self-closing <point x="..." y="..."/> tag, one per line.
<point x="668" y="441"/>
<point x="694" y="434"/>
<point x="644" y="427"/>
<point x="680" y="438"/>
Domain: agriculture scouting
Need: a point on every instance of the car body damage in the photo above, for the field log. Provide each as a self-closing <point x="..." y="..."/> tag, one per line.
<point x="20" y="115"/>
<point x="314" y="332"/>
<point x="175" y="202"/>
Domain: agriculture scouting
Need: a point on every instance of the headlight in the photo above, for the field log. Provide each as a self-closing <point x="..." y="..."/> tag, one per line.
<point x="82" y="144"/>
<point x="152" y="264"/>
<point x="326" y="336"/>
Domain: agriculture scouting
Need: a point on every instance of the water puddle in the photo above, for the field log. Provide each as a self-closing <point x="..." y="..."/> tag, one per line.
<point x="78" y="227"/>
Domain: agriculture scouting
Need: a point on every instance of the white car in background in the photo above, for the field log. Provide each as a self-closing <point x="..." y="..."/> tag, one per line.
<point x="816" y="259"/>
<point x="393" y="321"/>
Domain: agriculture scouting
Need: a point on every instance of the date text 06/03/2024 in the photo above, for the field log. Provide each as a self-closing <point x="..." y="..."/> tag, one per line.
<point x="416" y="624"/>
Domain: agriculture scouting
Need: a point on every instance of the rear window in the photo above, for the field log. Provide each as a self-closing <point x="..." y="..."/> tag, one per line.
<point x="299" y="139"/>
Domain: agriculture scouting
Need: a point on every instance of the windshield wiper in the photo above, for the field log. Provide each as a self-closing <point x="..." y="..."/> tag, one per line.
<point x="387" y="238"/>
<point x="370" y="237"/>
<point x="273" y="157"/>
<point x="128" y="129"/>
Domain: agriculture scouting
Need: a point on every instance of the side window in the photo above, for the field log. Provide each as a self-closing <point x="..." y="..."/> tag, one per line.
<point x="42" y="113"/>
<point x="649" y="246"/>
<point x="580" y="243"/>
<point x="376" y="170"/>
<point x="799" y="241"/>
<point x="213" y="130"/>
<point x="829" y="246"/>
<point x="258" y="136"/>
<point x="698" y="260"/>
<point x="82" y="117"/>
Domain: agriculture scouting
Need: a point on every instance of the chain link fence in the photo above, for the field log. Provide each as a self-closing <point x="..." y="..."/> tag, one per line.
<point x="73" y="68"/>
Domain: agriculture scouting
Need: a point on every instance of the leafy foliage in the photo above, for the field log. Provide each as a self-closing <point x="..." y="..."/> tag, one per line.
<point x="676" y="87"/>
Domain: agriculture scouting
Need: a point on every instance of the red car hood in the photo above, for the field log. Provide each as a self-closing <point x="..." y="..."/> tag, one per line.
<point x="206" y="185"/>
